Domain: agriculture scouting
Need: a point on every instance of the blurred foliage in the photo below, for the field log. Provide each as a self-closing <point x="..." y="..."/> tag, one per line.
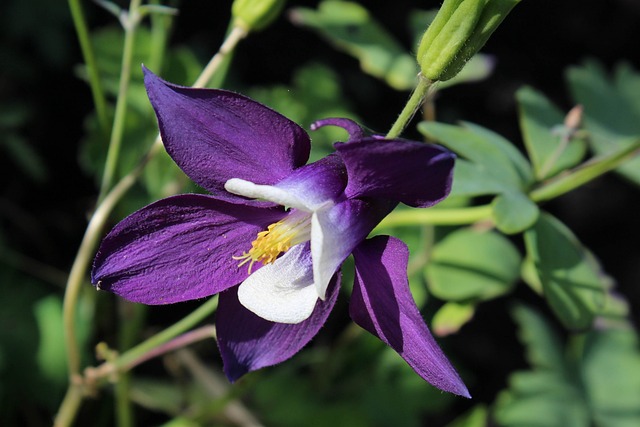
<point x="592" y="380"/>
<point x="586" y="374"/>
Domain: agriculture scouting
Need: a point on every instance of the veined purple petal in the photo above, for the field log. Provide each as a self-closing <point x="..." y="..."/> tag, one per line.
<point x="336" y="231"/>
<point x="178" y="249"/>
<point x="215" y="135"/>
<point x="248" y="342"/>
<point x="413" y="173"/>
<point x="382" y="304"/>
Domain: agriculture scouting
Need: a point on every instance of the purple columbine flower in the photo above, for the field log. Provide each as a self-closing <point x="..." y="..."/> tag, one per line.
<point x="271" y="237"/>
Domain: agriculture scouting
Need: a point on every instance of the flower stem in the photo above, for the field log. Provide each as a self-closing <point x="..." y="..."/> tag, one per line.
<point x="77" y="14"/>
<point x="444" y="216"/>
<point x="233" y="38"/>
<point x="415" y="101"/>
<point x="161" y="343"/>
<point x="117" y="131"/>
<point x="550" y="190"/>
<point x="584" y="173"/>
<point x="70" y="405"/>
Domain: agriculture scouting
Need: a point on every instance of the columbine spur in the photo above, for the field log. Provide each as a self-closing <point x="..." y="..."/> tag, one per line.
<point x="271" y="237"/>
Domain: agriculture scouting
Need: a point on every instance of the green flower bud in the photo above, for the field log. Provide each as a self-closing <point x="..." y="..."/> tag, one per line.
<point x="458" y="32"/>
<point x="254" y="15"/>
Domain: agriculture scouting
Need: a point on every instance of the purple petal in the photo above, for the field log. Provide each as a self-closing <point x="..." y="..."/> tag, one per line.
<point x="215" y="135"/>
<point x="382" y="304"/>
<point x="178" y="249"/>
<point x="413" y="173"/>
<point x="355" y="131"/>
<point x="248" y="342"/>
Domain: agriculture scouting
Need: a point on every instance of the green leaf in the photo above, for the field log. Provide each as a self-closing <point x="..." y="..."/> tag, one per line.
<point x="451" y="317"/>
<point x="519" y="161"/>
<point x="472" y="179"/>
<point x="514" y="212"/>
<point x="542" y="344"/>
<point x="469" y="265"/>
<point x="51" y="356"/>
<point x="530" y="275"/>
<point x="476" y="417"/>
<point x="569" y="275"/>
<point x="548" y="395"/>
<point x="611" y="109"/>
<point x="352" y="29"/>
<point x="541" y="399"/>
<point x="611" y="375"/>
<point x="594" y="380"/>
<point x="480" y="147"/>
<point x="547" y="151"/>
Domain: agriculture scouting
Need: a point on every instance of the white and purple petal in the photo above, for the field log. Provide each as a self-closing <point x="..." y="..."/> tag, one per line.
<point x="308" y="188"/>
<point x="215" y="135"/>
<point x="283" y="291"/>
<point x="337" y="230"/>
<point x="382" y="304"/>
<point x="248" y="342"/>
<point x="178" y="249"/>
<point x="413" y="173"/>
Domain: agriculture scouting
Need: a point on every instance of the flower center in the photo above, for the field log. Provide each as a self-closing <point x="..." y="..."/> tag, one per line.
<point x="279" y="237"/>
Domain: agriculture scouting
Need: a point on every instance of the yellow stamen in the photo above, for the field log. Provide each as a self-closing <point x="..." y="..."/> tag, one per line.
<point x="279" y="237"/>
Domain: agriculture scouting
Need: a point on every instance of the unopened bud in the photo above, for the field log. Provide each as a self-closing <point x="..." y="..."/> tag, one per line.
<point x="254" y="15"/>
<point x="458" y="32"/>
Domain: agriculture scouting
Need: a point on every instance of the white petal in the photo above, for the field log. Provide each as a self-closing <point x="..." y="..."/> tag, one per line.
<point x="326" y="252"/>
<point x="282" y="292"/>
<point x="335" y="232"/>
<point x="265" y="192"/>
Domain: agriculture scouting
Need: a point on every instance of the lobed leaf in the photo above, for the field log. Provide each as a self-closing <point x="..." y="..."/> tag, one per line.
<point x="469" y="265"/>
<point x="494" y="157"/>
<point x="611" y="109"/>
<point x="539" y="119"/>
<point x="570" y="277"/>
<point x="514" y="212"/>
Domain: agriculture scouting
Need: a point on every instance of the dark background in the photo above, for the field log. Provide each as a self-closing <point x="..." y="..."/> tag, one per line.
<point x="44" y="220"/>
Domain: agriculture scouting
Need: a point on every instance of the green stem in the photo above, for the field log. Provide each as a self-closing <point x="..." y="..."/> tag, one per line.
<point x="199" y="334"/>
<point x="131" y="319"/>
<point x="123" y="404"/>
<point x="77" y="14"/>
<point x="69" y="407"/>
<point x="584" y="173"/>
<point x="444" y="216"/>
<point x="186" y="323"/>
<point x="160" y="29"/>
<point x="550" y="190"/>
<point x="415" y="101"/>
<point x="160" y="343"/>
<point x="117" y="131"/>
<point x="90" y="240"/>
<point x="231" y="41"/>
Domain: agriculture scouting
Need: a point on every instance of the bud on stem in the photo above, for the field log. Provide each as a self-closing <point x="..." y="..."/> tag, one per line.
<point x="458" y="32"/>
<point x="254" y="15"/>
